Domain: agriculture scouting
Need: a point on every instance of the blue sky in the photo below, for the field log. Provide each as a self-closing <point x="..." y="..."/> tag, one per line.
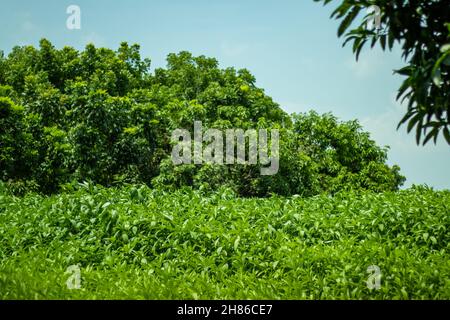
<point x="290" y="46"/>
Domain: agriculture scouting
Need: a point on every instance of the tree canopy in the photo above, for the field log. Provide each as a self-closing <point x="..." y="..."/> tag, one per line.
<point x="101" y="115"/>
<point x="422" y="28"/>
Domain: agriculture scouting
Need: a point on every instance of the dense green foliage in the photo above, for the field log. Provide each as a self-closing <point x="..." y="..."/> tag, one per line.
<point x="422" y="27"/>
<point x="135" y="242"/>
<point x="100" y="115"/>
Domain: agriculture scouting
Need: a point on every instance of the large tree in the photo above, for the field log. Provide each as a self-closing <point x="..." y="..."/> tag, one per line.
<point x="101" y="115"/>
<point x="422" y="28"/>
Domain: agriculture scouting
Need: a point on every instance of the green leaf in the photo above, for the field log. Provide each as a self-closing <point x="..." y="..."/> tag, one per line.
<point x="432" y="134"/>
<point x="445" y="48"/>
<point x="340" y="11"/>
<point x="405" y="71"/>
<point x="236" y="242"/>
<point x="447" y="134"/>
<point x="413" y="121"/>
<point x="391" y="39"/>
<point x="436" y="72"/>
<point x="409" y="113"/>
<point x="419" y="131"/>
<point x="383" y="42"/>
<point x="348" y="20"/>
<point x="437" y="79"/>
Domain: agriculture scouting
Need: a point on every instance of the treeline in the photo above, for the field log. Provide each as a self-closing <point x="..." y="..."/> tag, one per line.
<point x="100" y="115"/>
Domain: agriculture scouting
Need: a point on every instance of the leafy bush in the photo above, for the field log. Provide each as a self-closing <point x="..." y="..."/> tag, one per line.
<point x="135" y="242"/>
<point x="345" y="156"/>
<point x="101" y="115"/>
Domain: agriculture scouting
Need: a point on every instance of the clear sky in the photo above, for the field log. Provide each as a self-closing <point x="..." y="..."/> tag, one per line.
<point x="290" y="46"/>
